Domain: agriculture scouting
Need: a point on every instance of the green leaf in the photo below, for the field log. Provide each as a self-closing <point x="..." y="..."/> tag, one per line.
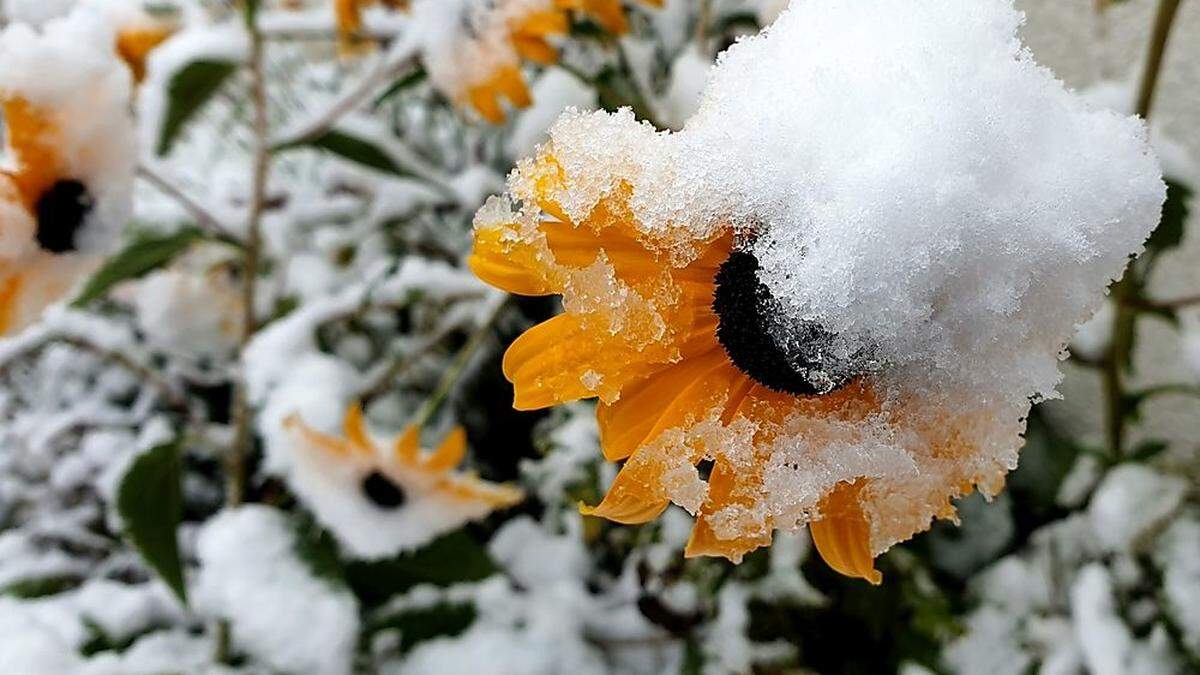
<point x="187" y="92"/>
<point x="150" y="501"/>
<point x="143" y="255"/>
<point x="356" y="149"/>
<point x="411" y="79"/>
<point x="426" y="623"/>
<point x="452" y="559"/>
<point x="1169" y="232"/>
<point x="1148" y="450"/>
<point x="40" y="587"/>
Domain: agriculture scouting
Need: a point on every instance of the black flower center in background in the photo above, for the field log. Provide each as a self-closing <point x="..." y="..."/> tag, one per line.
<point x="382" y="491"/>
<point x="60" y="212"/>
<point x="745" y="329"/>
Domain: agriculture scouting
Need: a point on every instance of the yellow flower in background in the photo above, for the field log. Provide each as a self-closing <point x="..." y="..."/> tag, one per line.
<point x="65" y="189"/>
<point x="478" y="63"/>
<point x="348" y="14"/>
<point x="135" y="42"/>
<point x="666" y="339"/>
<point x="608" y="13"/>
<point x="382" y="498"/>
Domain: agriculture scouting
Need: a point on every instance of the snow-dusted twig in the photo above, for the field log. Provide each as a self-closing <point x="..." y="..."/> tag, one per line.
<point x="172" y="393"/>
<point x="205" y="220"/>
<point x="1122" y="291"/>
<point x="243" y="433"/>
<point x="490" y="313"/>
<point x="379" y="383"/>
<point x="399" y="59"/>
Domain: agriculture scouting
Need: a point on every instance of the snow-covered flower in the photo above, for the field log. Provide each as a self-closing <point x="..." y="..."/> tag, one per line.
<point x="192" y="312"/>
<point x="473" y="49"/>
<point x="381" y="499"/>
<point x="140" y="32"/>
<point x="830" y="298"/>
<point x="65" y="192"/>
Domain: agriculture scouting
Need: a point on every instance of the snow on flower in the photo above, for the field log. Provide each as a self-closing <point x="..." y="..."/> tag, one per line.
<point x="839" y="286"/>
<point x="382" y="499"/>
<point x="473" y="50"/>
<point x="65" y="189"/>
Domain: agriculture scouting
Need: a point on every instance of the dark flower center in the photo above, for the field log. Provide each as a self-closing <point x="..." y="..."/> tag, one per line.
<point x="382" y="491"/>
<point x="60" y="212"/>
<point x="745" y="329"/>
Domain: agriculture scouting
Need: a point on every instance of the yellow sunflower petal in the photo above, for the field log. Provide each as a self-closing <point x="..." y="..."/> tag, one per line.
<point x="469" y="488"/>
<point x="355" y="429"/>
<point x="10" y="289"/>
<point x="407" y="446"/>
<point x="628" y="422"/>
<point x="33" y="140"/>
<point x="486" y="101"/>
<point x="843" y="537"/>
<point x="325" y="442"/>
<point x="135" y="43"/>
<point x="723" y="484"/>
<point x="450" y="453"/>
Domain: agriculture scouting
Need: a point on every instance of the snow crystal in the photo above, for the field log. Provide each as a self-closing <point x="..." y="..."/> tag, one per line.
<point x="250" y="574"/>
<point x="910" y="181"/>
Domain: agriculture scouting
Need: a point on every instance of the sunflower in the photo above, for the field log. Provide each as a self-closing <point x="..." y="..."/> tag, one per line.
<point x="66" y="187"/>
<point x="380" y="499"/>
<point x="348" y="14"/>
<point x="136" y="39"/>
<point x="608" y="13"/>
<point x="695" y="399"/>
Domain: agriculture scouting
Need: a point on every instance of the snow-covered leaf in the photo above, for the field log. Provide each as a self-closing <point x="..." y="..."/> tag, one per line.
<point x="150" y="501"/>
<point x="143" y="255"/>
<point x="189" y="89"/>
<point x="451" y="559"/>
<point x="420" y="624"/>
<point x="356" y="149"/>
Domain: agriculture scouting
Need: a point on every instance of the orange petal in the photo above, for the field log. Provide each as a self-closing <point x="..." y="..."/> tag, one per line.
<point x="330" y="444"/>
<point x="486" y="102"/>
<point x="843" y="535"/>
<point x="536" y="49"/>
<point x="509" y="82"/>
<point x="450" y="453"/>
<point x="723" y="487"/>
<point x="33" y="139"/>
<point x="135" y="43"/>
<point x="407" y="446"/>
<point x="501" y="259"/>
<point x="646" y="405"/>
<point x="10" y="289"/>
<point x="609" y="14"/>
<point x="466" y="488"/>
<point x="355" y="429"/>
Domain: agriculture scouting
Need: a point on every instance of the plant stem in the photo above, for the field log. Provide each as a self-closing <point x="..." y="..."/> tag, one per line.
<point x="243" y="437"/>
<point x="1163" y="21"/>
<point x="1125" y="316"/>
<point x="455" y="371"/>
<point x="203" y="217"/>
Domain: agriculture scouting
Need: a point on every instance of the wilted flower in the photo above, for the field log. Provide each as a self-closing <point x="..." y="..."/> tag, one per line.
<point x="66" y="191"/>
<point x="382" y="499"/>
